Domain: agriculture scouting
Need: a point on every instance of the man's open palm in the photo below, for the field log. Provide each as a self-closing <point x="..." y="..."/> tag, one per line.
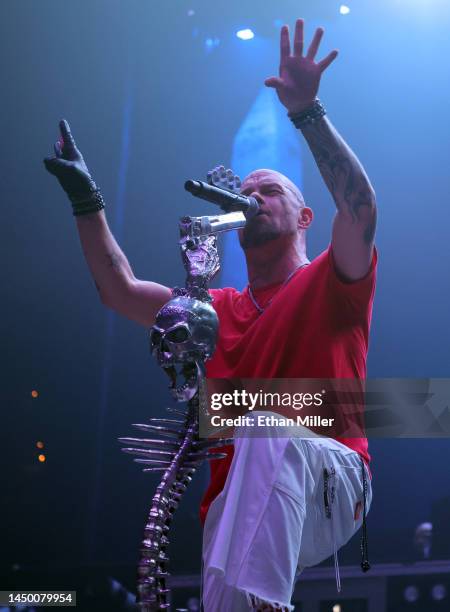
<point x="299" y="77"/>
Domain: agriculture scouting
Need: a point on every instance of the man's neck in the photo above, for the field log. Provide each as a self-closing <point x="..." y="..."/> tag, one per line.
<point x="267" y="266"/>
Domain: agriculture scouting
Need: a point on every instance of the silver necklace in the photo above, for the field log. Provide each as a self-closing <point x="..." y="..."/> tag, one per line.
<point x="253" y="299"/>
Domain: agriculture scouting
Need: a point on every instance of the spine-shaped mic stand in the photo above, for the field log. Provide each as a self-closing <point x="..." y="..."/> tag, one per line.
<point x="183" y="337"/>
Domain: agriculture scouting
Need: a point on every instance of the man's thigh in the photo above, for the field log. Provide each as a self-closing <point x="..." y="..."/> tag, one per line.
<point x="270" y="520"/>
<point x="335" y="511"/>
<point x="253" y="528"/>
<point x="234" y="517"/>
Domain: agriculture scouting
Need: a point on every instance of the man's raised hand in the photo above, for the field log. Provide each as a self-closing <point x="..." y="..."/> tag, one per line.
<point x="299" y="76"/>
<point x="68" y="164"/>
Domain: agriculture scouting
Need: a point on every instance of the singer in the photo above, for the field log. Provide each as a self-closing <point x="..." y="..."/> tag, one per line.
<point x="276" y="504"/>
<point x="269" y="511"/>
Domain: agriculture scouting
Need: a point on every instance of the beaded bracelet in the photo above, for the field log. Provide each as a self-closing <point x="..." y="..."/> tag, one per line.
<point x="309" y="115"/>
<point x="87" y="204"/>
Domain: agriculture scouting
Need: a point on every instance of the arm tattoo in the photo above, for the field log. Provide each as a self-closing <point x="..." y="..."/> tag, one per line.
<point x="119" y="263"/>
<point x="114" y="261"/>
<point x="369" y="232"/>
<point x="342" y="172"/>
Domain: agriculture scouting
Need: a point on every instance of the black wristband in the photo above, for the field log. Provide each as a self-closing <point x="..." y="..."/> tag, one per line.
<point x="91" y="203"/>
<point x="309" y="115"/>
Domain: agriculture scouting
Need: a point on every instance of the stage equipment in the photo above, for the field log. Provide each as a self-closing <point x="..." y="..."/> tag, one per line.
<point x="227" y="200"/>
<point x="182" y="339"/>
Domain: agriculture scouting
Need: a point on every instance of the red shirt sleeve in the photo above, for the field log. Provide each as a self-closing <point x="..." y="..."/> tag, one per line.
<point x="357" y="294"/>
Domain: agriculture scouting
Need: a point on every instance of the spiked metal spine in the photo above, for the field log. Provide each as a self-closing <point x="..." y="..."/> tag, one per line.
<point x="183" y="335"/>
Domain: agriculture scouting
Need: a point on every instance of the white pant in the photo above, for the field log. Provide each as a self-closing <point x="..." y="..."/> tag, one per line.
<point x="270" y="520"/>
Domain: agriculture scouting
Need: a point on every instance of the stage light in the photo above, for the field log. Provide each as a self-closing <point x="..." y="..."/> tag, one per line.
<point x="41" y="458"/>
<point x="40" y="444"/>
<point x="438" y="592"/>
<point x="246" y="34"/>
<point x="344" y="10"/>
<point x="34" y="393"/>
<point x="337" y="608"/>
<point x="411" y="593"/>
<point x="210" y="43"/>
<point x="190" y="13"/>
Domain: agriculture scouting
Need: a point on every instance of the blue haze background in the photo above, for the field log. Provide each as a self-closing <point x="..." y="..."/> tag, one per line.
<point x="150" y="105"/>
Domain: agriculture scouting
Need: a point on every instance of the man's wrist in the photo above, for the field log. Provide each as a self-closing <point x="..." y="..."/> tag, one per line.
<point x="308" y="115"/>
<point x="300" y="107"/>
<point x="88" y="203"/>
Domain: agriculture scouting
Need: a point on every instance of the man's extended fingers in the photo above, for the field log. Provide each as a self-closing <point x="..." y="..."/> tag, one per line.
<point x="273" y="82"/>
<point x="57" y="147"/>
<point x="298" y="38"/>
<point x="67" y="134"/>
<point x="285" y="45"/>
<point x="323" y="64"/>
<point x="48" y="161"/>
<point x="314" y="46"/>
<point x="55" y="165"/>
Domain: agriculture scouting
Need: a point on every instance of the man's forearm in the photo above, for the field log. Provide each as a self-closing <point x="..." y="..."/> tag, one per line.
<point x="341" y="170"/>
<point x="109" y="267"/>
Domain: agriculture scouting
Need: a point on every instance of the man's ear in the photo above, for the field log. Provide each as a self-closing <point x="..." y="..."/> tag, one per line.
<point x="305" y="217"/>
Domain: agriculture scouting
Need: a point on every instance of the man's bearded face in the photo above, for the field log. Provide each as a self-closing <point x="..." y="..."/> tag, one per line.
<point x="280" y="202"/>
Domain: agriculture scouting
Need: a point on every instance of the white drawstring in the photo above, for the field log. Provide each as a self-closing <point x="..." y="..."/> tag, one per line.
<point x="333" y="531"/>
<point x="201" y="586"/>
<point x="336" y="565"/>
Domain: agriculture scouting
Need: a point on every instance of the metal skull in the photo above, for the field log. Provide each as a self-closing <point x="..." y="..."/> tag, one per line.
<point x="183" y="337"/>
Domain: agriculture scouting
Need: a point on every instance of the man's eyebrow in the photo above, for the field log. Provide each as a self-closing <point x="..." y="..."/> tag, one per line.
<point x="267" y="184"/>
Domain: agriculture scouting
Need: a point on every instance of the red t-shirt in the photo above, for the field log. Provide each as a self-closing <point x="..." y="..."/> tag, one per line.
<point x="317" y="326"/>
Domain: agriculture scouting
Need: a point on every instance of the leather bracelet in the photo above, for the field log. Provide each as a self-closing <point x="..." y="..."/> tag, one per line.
<point x="87" y="204"/>
<point x="309" y="115"/>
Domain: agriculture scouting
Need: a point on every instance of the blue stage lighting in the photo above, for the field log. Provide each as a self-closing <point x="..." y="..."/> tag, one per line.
<point x="210" y="43"/>
<point x="246" y="34"/>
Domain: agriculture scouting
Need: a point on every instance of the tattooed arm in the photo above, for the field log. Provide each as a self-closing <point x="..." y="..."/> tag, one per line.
<point x="354" y="225"/>
<point x="355" y="221"/>
<point x="118" y="288"/>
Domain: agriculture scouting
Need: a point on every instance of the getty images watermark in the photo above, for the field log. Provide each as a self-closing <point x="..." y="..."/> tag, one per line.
<point x="338" y="408"/>
<point x="241" y="399"/>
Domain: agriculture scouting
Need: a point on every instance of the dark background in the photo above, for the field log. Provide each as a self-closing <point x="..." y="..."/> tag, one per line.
<point x="151" y="105"/>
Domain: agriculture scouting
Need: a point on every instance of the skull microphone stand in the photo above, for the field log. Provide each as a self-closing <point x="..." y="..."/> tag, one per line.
<point x="183" y="337"/>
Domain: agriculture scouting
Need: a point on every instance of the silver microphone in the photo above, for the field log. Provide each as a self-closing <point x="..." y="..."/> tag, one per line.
<point x="227" y="200"/>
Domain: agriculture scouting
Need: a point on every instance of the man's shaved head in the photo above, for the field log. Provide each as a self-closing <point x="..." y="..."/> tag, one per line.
<point x="257" y="175"/>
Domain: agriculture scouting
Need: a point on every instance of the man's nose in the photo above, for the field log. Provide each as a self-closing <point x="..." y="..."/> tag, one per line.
<point x="258" y="197"/>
